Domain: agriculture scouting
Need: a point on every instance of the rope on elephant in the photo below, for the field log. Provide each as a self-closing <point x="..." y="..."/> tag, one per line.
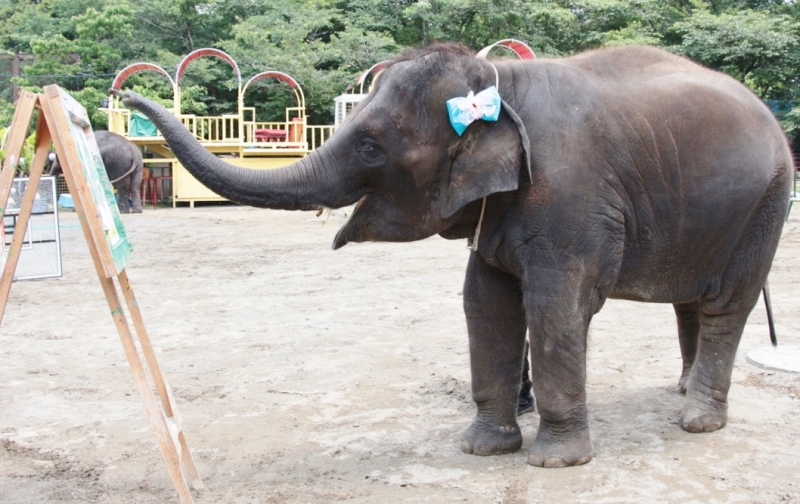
<point x="473" y="244"/>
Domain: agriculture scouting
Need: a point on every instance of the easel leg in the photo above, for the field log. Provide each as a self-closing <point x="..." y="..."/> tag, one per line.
<point x="162" y="387"/>
<point x="154" y="413"/>
<point x="163" y="436"/>
<point x="19" y="126"/>
<point x="39" y="159"/>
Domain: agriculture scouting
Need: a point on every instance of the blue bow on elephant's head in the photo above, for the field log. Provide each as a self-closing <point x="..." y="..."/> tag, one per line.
<point x="464" y="111"/>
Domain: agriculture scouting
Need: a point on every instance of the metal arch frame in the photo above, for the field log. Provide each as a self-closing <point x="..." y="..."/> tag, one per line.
<point x="141" y="66"/>
<point x="206" y="51"/>
<point x="298" y="91"/>
<point x="197" y="53"/>
<point x="376" y="69"/>
<point x="133" y="68"/>
<point x="184" y="63"/>
<point x="521" y="49"/>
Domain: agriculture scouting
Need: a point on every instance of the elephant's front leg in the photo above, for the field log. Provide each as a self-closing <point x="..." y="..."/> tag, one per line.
<point x="558" y="317"/>
<point x="496" y="323"/>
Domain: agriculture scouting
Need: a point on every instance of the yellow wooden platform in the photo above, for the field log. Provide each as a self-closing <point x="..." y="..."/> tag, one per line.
<point x="237" y="138"/>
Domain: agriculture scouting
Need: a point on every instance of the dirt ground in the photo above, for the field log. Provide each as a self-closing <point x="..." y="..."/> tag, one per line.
<point x="307" y="375"/>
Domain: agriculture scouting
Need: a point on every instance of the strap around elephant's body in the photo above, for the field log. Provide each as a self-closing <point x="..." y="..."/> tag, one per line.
<point x="133" y="168"/>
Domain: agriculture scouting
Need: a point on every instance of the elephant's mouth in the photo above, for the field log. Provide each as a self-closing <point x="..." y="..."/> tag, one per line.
<point x="376" y="218"/>
<point x="350" y="231"/>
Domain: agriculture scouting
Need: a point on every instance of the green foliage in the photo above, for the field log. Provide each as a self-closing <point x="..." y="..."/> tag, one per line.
<point x="326" y="44"/>
<point x="26" y="155"/>
<point x="791" y="123"/>
<point x="758" y="48"/>
<point x="322" y="49"/>
<point x="6" y="112"/>
<point x="3" y="136"/>
<point x="83" y="58"/>
<point x="22" y="21"/>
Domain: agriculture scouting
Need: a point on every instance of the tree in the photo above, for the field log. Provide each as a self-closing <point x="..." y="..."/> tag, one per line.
<point x="758" y="48"/>
<point x="320" y="47"/>
<point x="86" y="62"/>
<point x="325" y="44"/>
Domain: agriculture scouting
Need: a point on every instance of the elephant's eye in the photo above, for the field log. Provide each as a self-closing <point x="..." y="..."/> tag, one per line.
<point x="369" y="151"/>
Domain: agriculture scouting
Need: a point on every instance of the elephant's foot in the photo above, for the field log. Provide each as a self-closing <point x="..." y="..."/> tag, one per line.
<point x="564" y="449"/>
<point x="704" y="417"/>
<point x="124" y="209"/>
<point x="683" y="383"/>
<point x="136" y="209"/>
<point x="484" y="438"/>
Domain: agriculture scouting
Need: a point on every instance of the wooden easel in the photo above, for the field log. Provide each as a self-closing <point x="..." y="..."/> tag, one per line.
<point x="53" y="126"/>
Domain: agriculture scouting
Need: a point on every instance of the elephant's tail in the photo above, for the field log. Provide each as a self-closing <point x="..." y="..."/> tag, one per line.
<point x="134" y="166"/>
<point x="772" y="336"/>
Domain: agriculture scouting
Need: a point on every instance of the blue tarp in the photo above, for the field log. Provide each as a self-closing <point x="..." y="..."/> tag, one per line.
<point x="141" y="126"/>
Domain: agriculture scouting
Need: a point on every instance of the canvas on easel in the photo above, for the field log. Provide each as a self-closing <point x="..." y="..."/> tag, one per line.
<point x="63" y="122"/>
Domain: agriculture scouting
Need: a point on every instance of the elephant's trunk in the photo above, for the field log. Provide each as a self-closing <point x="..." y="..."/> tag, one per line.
<point x="303" y="185"/>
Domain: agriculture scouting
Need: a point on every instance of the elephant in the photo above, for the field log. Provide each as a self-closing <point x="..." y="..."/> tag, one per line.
<point x="124" y="165"/>
<point x="624" y="172"/>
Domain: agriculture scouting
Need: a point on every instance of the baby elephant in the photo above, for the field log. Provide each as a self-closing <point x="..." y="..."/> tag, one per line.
<point x="123" y="162"/>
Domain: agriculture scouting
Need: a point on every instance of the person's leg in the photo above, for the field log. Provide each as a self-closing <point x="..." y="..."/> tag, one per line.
<point x="525" y="401"/>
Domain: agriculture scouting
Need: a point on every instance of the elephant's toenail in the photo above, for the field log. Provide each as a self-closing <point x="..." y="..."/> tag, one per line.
<point x="554" y="462"/>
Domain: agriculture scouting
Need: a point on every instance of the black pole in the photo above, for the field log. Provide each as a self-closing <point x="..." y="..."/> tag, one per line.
<point x="14" y="73"/>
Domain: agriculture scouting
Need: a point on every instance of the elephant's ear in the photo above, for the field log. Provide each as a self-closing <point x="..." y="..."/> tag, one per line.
<point x="492" y="157"/>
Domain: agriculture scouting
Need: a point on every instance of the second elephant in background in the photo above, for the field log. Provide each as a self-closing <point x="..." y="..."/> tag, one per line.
<point x="124" y="165"/>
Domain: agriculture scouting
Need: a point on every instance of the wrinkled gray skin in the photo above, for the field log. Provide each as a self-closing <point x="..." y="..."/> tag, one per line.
<point x="119" y="156"/>
<point x="651" y="179"/>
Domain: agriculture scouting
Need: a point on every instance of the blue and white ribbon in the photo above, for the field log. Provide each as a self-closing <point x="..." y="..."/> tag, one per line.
<point x="464" y="111"/>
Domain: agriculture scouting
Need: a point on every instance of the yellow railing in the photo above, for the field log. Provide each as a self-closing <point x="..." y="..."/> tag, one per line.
<point x="317" y="135"/>
<point x="292" y="131"/>
<point x="226" y="129"/>
<point x="118" y="120"/>
<point x="213" y="129"/>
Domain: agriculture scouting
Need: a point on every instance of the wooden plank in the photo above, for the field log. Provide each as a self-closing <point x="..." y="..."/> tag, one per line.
<point x="162" y="387"/>
<point x="144" y="339"/>
<point x="18" y="128"/>
<point x="37" y="166"/>
<point x="67" y="153"/>
<point x="156" y="416"/>
<point x="188" y="461"/>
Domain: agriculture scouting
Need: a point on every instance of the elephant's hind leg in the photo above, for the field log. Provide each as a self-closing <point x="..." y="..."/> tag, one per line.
<point x="123" y="192"/>
<point x="496" y="325"/>
<point x="688" y="336"/>
<point x="136" y="195"/>
<point x="706" y="407"/>
<point x="723" y="313"/>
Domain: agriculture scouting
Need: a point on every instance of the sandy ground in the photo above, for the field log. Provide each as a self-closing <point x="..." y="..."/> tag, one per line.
<point x="307" y="375"/>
